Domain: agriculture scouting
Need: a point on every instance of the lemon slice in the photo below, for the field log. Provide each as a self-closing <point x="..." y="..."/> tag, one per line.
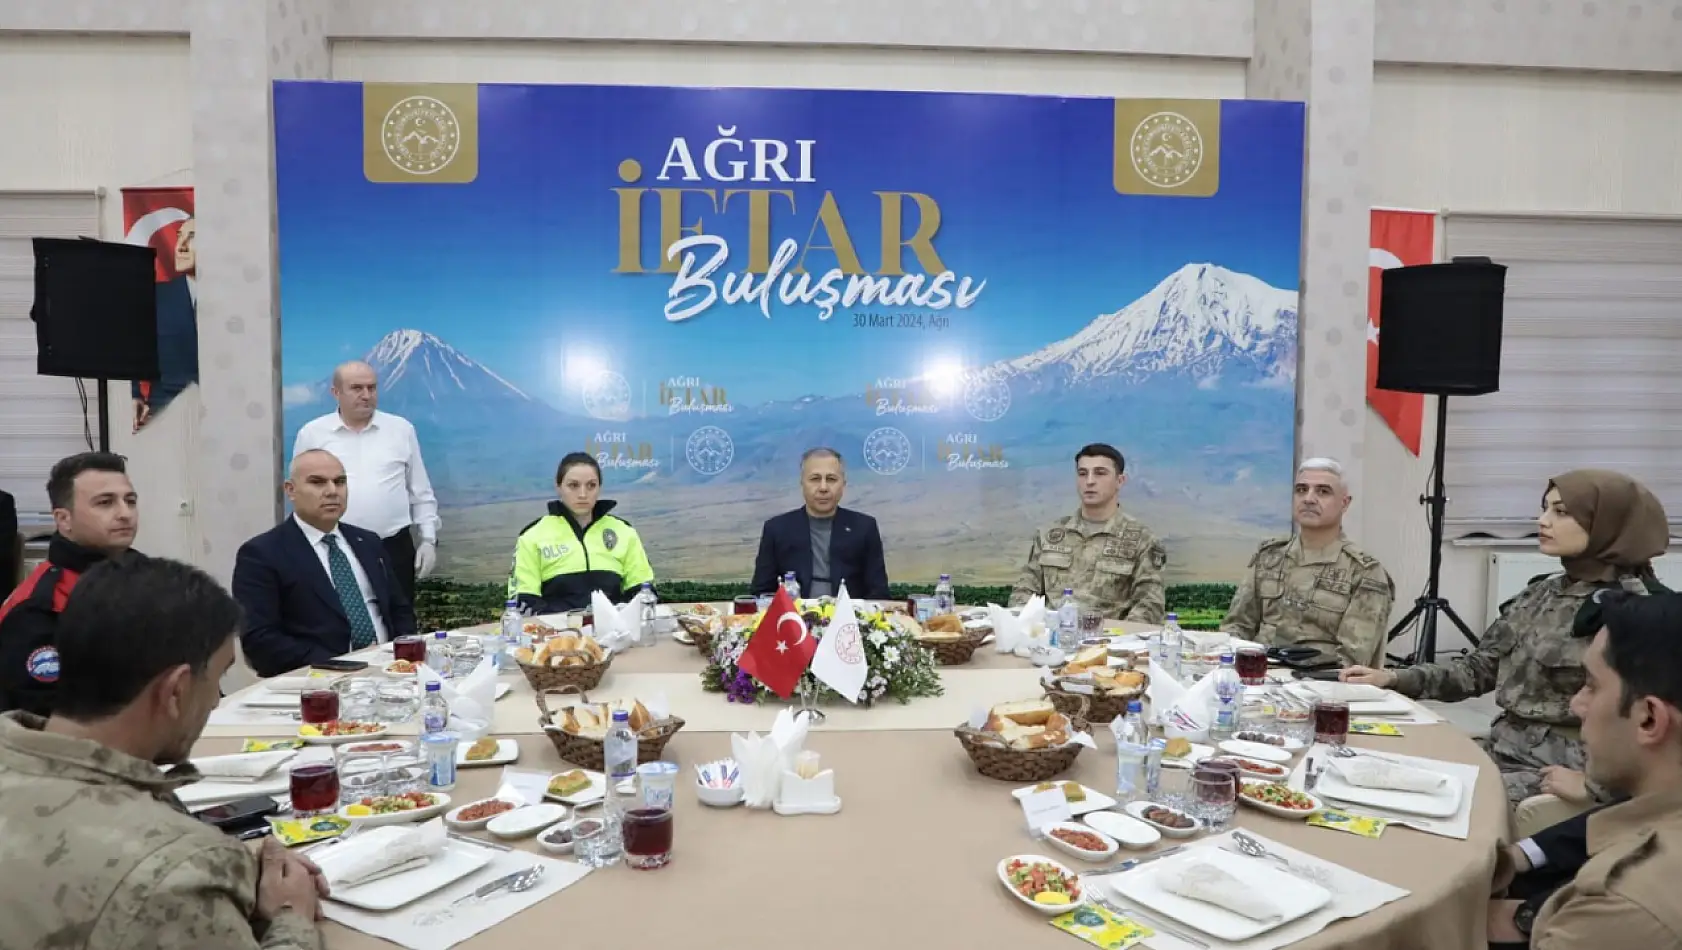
<point x="1051" y="897"/>
<point x="358" y="811"/>
<point x="309" y="730"/>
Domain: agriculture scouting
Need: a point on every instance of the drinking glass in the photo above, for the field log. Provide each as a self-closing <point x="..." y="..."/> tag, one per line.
<point x="1252" y="666"/>
<point x="314" y="788"/>
<point x="465" y="656"/>
<point x="745" y="604"/>
<point x="1091" y="622"/>
<point x="1216" y="795"/>
<point x="404" y="773"/>
<point x="1331" y="722"/>
<point x="316" y="706"/>
<point x="656" y="784"/>
<point x="648" y="838"/>
<point x="1173" y="788"/>
<point x="396" y="701"/>
<point x="409" y="648"/>
<point x="1295" y="717"/>
<point x="591" y="843"/>
<point x="358" y="698"/>
<point x="361" y="775"/>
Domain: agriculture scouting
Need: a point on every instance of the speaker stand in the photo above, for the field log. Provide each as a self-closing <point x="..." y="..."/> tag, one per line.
<point x="104" y="400"/>
<point x="1430" y="607"/>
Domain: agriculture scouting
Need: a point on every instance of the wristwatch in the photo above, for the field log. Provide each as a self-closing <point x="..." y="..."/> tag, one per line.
<point x="1524" y="917"/>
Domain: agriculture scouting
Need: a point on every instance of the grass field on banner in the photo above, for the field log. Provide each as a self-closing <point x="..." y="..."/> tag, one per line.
<point x="442" y="604"/>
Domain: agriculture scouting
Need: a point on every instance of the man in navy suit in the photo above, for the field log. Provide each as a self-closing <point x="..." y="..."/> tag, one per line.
<point x="822" y="543"/>
<point x="313" y="588"/>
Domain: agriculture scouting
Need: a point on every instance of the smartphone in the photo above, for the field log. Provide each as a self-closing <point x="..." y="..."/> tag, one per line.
<point x="339" y="666"/>
<point x="240" y="815"/>
<point x="1325" y="675"/>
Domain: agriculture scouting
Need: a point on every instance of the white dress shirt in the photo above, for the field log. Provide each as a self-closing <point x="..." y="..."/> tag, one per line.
<point x="388" y="486"/>
<point x="314" y="536"/>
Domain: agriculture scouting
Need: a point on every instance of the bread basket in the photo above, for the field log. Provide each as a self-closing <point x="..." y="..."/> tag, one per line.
<point x="998" y="761"/>
<point x="1098" y="705"/>
<point x="954" y="652"/>
<point x="586" y="752"/>
<point x="698" y="628"/>
<point x="587" y="675"/>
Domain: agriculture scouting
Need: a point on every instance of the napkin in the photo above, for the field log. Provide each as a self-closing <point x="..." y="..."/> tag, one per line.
<point x="763" y="759"/>
<point x="380" y="853"/>
<point x="1201" y="881"/>
<point x="1007" y="633"/>
<point x="470" y="699"/>
<point x="1191" y="714"/>
<point x="616" y="627"/>
<point x="1367" y="772"/>
<point x="247" y="767"/>
<point x="1342" y="692"/>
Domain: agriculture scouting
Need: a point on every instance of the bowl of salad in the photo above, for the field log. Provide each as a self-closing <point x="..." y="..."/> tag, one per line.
<point x="380" y="810"/>
<point x="1045" y="885"/>
<point x="1278" y="799"/>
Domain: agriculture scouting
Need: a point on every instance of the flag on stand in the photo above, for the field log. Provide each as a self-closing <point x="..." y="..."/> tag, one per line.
<point x="781" y="647"/>
<point x="839" y="662"/>
<point x="1399" y="239"/>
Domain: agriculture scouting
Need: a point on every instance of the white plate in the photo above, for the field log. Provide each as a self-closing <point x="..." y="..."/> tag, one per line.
<point x="405" y="747"/>
<point x="1255" y="750"/>
<point x="1391" y="706"/>
<point x="1291" y="743"/>
<point x="527" y="821"/>
<point x="265" y="698"/>
<point x="341" y="740"/>
<point x="1197" y="754"/>
<point x="682" y="636"/>
<point x="1137" y="810"/>
<point x="297" y="684"/>
<point x="1052" y="910"/>
<point x="456" y="861"/>
<point x="1294" y="897"/>
<point x="440" y="802"/>
<point x="1111" y="846"/>
<point x="1443" y="804"/>
<point x="1128" y="831"/>
<point x="595" y="793"/>
<point x="1095" y="800"/>
<point x="1279" y="812"/>
<point x="453" y="816"/>
<point x="544" y="842"/>
<point x="1280" y="776"/>
<point x="507" y="750"/>
<point x="1347" y="692"/>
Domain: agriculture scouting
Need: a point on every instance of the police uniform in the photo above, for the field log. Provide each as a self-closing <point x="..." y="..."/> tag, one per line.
<point x="1624" y="896"/>
<point x="29" y="624"/>
<point x="1336" y="599"/>
<point x="1114" y="567"/>
<point x="557" y="566"/>
<point x="98" y="854"/>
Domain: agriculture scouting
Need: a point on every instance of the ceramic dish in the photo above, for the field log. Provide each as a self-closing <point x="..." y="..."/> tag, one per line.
<point x="556" y="839"/>
<point x="527" y="821"/>
<point x="1109" y="848"/>
<point x="1127" y="831"/>
<point x="440" y="802"/>
<point x="719" y="797"/>
<point x="1051" y="910"/>
<point x="318" y="739"/>
<point x="1259" y="751"/>
<point x="1138" y="809"/>
<point x="454" y="820"/>
<point x="1094" y="800"/>
<point x="1277" y="810"/>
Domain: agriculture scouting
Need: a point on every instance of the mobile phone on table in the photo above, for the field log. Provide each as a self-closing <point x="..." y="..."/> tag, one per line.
<point x="235" y="817"/>
<point x="1326" y="675"/>
<point x="339" y="666"/>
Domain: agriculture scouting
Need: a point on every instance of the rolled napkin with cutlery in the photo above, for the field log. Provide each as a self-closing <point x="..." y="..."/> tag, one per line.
<point x="242" y="767"/>
<point x="1202" y="881"/>
<point x="1367" y="772"/>
<point x="380" y="853"/>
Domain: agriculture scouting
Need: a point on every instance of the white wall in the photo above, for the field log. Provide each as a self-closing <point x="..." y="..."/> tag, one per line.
<point x="1485" y="140"/>
<point x="109" y="112"/>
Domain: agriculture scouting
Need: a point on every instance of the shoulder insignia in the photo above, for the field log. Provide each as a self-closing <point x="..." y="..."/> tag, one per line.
<point x="610" y="538"/>
<point x="42" y="665"/>
<point x="1055" y="535"/>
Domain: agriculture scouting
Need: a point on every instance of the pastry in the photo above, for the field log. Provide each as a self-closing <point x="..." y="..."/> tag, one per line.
<point x="944" y="623"/>
<point x="483" y="749"/>
<point x="568" y="783"/>
<point x="1177" y="748"/>
<point x="1073" y="791"/>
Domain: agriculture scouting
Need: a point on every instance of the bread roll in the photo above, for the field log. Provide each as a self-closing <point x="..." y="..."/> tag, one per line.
<point x="944" y="623"/>
<point x="1087" y="658"/>
<point x="1026" y="712"/>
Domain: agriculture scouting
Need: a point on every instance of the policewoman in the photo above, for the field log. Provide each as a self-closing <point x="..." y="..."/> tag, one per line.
<point x="578" y="548"/>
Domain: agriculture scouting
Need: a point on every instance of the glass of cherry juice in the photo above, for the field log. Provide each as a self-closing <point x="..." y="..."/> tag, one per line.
<point x="1252" y="666"/>
<point x="412" y="649"/>
<point x="317" y="706"/>
<point x="648" y="838"/>
<point x="747" y="604"/>
<point x="314" y="787"/>
<point x="1331" y="722"/>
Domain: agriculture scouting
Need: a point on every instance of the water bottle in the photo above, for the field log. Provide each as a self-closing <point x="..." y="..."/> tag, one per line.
<point x="438" y="653"/>
<point x="619" y="755"/>
<point x="646" y="612"/>
<point x="1168" y="646"/>
<point x="435" y="713"/>
<point x="943" y="602"/>
<point x="1153" y="767"/>
<point x="1229" y="696"/>
<point x="1068" y="621"/>
<point x="513" y="632"/>
<point x="792" y="585"/>
<point x="1132" y="745"/>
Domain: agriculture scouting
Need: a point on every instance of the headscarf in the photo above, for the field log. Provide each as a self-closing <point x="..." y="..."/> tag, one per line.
<point x="1626" y="524"/>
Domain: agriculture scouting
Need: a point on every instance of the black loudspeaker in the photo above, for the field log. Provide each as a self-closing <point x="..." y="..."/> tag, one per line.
<point x="96" y="310"/>
<point x="1440" y="328"/>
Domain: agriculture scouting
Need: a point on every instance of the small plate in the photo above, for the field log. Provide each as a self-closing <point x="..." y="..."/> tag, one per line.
<point x="556" y="847"/>
<point x="1051" y="910"/>
<point x="1251" y="769"/>
<point x="682" y="636"/>
<point x="1095" y="800"/>
<point x="342" y="740"/>
<point x="1128" y="831"/>
<point x="507" y="750"/>
<point x="1255" y="750"/>
<point x="527" y="821"/>
<point x="404" y="747"/>
<point x="1197" y="754"/>
<point x="1111" y="846"/>
<point x="1279" y="811"/>
<point x="440" y="802"/>
<point x="389" y="671"/>
<point x="594" y="793"/>
<point x="1287" y="743"/>
<point x="1137" y="810"/>
<point x="453" y="816"/>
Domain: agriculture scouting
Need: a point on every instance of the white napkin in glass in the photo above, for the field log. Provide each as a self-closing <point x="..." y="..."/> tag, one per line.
<point x="763" y="759"/>
<point x="1368" y="772"/>
<point x="611" y="630"/>
<point x="1201" y="881"/>
<point x="1007" y="634"/>
<point x="247" y="767"/>
<point x="470" y="700"/>
<point x="380" y="853"/>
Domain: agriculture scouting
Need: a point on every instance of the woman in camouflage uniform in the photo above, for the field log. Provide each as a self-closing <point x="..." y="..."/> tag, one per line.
<point x="1605" y="528"/>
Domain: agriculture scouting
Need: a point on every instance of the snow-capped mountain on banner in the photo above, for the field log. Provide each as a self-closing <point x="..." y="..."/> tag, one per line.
<point x="1202" y="323"/>
<point x="415" y="365"/>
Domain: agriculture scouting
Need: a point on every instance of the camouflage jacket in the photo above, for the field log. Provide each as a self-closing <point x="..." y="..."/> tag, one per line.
<point x="1528" y="656"/>
<point x="1336" y="599"/>
<point x="97" y="854"/>
<point x="1115" y="569"/>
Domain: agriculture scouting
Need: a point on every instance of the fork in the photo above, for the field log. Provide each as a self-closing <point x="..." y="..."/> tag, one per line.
<point x="516" y="883"/>
<point x="1252" y="848"/>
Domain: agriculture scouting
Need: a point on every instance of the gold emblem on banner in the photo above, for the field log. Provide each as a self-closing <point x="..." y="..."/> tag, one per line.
<point x="420" y="133"/>
<point x="1168" y="147"/>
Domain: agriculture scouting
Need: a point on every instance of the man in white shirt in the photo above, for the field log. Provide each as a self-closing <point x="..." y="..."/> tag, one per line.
<point x="383" y="460"/>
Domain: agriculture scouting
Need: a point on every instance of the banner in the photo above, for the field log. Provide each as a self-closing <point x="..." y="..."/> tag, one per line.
<point x="695" y="286"/>
<point x="163" y="218"/>
<point x="1399" y="239"/>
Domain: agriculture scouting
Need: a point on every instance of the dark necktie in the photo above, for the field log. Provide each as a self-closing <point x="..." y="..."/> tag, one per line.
<point x="350" y="596"/>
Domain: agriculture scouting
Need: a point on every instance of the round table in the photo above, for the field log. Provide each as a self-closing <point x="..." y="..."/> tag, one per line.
<point x="909" y="860"/>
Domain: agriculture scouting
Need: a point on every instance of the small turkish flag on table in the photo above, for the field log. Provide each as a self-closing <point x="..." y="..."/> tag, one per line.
<point x="781" y="647"/>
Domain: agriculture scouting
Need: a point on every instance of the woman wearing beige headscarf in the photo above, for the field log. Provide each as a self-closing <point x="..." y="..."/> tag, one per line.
<point x="1606" y="529"/>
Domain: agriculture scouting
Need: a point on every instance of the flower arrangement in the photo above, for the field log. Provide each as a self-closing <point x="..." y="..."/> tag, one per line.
<point x="900" y="668"/>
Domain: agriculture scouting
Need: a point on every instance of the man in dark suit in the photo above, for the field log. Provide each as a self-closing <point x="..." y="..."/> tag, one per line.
<point x="1529" y="871"/>
<point x="306" y="597"/>
<point x="822" y="543"/>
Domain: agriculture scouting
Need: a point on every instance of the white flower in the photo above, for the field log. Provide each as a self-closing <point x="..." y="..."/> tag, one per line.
<point x="891" y="656"/>
<point x="878" y="639"/>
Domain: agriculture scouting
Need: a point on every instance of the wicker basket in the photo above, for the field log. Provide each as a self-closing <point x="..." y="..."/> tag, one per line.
<point x="586" y="752"/>
<point x="588" y="676"/>
<point x="1098" y="706"/>
<point x="696" y="629"/>
<point x="954" y="652"/>
<point x="1021" y="765"/>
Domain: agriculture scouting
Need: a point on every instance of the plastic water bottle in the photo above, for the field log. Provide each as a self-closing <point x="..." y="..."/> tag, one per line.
<point x="792" y="585"/>
<point x="1153" y="767"/>
<point x="513" y="632"/>
<point x="1068" y="620"/>
<point x="619" y="755"/>
<point x="435" y="712"/>
<point x="943" y="601"/>
<point x="1168" y="646"/>
<point x="1229" y="696"/>
<point x="1132" y="746"/>
<point x="646" y="612"/>
<point x="438" y="653"/>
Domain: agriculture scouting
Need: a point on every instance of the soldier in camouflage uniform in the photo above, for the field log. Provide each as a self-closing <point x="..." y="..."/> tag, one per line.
<point x="1110" y="559"/>
<point x="1605" y="528"/>
<point x="96" y="852"/>
<point x="1316" y="588"/>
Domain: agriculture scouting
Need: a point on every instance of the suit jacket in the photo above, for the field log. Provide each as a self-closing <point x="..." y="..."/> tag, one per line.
<point x="292" y="614"/>
<point x="855" y="554"/>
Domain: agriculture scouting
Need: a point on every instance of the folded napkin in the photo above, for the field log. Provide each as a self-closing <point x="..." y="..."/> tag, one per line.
<point x="247" y="767"/>
<point x="761" y="760"/>
<point x="380" y="853"/>
<point x="470" y="699"/>
<point x="1342" y="692"/>
<point x="615" y="626"/>
<point x="1367" y="772"/>
<point x="1201" y="881"/>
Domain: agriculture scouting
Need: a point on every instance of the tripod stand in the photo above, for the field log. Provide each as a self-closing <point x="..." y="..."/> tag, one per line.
<point x="1432" y="604"/>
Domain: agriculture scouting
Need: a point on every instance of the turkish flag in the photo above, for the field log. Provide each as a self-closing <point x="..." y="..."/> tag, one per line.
<point x="781" y="647"/>
<point x="1399" y="239"/>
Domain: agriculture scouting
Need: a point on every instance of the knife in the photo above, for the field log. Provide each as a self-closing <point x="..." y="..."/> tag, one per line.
<point x="1132" y="863"/>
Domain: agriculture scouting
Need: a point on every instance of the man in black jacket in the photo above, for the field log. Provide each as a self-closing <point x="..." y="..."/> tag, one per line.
<point x="95" y="515"/>
<point x="822" y="543"/>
